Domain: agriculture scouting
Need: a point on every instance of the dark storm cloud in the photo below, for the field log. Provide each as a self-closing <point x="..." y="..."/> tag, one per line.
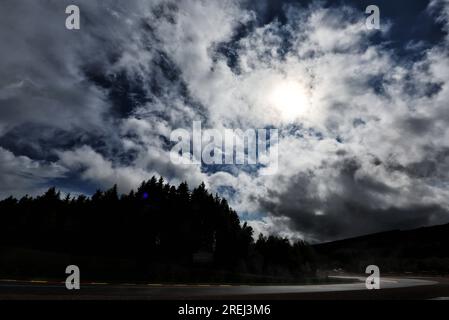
<point x="39" y="59"/>
<point x="63" y="90"/>
<point x="434" y="167"/>
<point x="76" y="80"/>
<point x="352" y="209"/>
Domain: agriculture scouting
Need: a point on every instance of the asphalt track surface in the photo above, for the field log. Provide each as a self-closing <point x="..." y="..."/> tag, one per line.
<point x="397" y="288"/>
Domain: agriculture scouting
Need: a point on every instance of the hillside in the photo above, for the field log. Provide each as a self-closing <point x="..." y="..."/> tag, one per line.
<point x="423" y="250"/>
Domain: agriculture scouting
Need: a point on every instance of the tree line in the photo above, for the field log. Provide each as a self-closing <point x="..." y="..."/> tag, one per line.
<point x="159" y="229"/>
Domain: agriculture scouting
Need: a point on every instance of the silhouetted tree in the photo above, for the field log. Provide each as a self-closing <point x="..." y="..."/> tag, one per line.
<point x="158" y="224"/>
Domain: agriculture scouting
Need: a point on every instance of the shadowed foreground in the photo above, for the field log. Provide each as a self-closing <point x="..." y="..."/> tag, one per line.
<point x="391" y="288"/>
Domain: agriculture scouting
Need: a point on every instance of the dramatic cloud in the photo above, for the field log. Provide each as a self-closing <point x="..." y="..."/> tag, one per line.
<point x="362" y="114"/>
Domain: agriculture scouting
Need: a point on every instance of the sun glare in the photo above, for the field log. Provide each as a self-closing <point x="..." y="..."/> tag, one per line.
<point x="290" y="100"/>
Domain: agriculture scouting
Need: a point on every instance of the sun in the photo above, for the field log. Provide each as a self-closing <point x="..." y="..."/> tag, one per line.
<point x="290" y="100"/>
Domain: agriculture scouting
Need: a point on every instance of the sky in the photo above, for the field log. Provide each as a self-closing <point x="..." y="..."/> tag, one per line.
<point x="362" y="115"/>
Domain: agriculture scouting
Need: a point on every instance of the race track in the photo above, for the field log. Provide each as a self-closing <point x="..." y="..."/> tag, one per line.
<point x="391" y="288"/>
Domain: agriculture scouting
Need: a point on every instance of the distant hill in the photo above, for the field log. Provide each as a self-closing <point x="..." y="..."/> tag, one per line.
<point x="423" y="250"/>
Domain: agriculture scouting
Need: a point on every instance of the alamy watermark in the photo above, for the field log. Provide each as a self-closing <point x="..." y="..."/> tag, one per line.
<point x="373" y="280"/>
<point x="73" y="280"/>
<point x="373" y="20"/>
<point x="73" y="21"/>
<point x="227" y="146"/>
